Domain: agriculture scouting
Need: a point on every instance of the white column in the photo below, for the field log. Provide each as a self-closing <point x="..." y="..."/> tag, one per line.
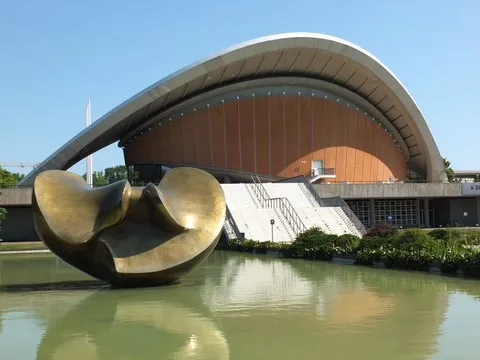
<point x="88" y="121"/>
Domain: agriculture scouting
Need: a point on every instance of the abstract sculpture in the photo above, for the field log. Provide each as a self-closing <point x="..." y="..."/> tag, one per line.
<point x="130" y="236"/>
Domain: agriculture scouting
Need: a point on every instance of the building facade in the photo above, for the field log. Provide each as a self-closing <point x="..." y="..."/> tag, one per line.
<point x="277" y="106"/>
<point x="281" y="131"/>
<point x="282" y="106"/>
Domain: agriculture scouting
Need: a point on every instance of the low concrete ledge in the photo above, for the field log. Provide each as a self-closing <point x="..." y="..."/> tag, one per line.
<point x="20" y="252"/>
<point x="21" y="196"/>
<point x="389" y="191"/>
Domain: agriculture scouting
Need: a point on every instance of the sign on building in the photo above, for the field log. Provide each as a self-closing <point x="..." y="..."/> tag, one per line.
<point x="471" y="189"/>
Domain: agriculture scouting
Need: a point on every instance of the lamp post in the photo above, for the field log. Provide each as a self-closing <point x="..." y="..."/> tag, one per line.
<point x="272" y="222"/>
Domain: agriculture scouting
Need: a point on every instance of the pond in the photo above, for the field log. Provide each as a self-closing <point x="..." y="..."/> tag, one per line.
<point x="237" y="306"/>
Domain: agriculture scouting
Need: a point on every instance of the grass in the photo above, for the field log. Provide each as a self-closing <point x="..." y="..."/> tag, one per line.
<point x="21" y="246"/>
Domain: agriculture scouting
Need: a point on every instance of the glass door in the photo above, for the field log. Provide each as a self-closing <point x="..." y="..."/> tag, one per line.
<point x="317" y="167"/>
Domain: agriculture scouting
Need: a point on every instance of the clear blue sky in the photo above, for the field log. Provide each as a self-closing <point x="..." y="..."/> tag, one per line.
<point x="56" y="54"/>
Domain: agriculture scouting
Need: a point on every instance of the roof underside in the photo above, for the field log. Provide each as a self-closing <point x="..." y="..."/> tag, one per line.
<point x="300" y="55"/>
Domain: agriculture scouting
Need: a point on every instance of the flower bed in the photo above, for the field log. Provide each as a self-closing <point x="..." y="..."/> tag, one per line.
<point x="450" y="250"/>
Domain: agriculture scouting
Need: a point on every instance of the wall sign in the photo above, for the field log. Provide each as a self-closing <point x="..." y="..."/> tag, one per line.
<point x="471" y="189"/>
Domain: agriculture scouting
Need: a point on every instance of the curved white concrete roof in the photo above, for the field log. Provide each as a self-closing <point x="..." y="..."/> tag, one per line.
<point x="308" y="55"/>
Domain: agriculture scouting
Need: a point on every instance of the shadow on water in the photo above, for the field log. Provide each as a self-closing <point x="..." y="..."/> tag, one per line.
<point x="55" y="286"/>
<point x="81" y="285"/>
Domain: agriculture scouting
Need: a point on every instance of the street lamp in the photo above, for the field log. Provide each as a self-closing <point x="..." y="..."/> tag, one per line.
<point x="272" y="222"/>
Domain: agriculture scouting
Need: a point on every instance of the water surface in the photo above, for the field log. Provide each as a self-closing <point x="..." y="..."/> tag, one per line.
<point x="237" y="306"/>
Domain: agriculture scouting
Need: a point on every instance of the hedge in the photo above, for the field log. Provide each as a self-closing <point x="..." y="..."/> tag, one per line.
<point x="450" y="250"/>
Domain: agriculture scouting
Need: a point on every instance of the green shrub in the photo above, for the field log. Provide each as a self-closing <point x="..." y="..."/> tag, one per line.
<point x="445" y="234"/>
<point x="408" y="259"/>
<point x="469" y="263"/>
<point x="377" y="242"/>
<point x="241" y="245"/>
<point x="382" y="229"/>
<point x="368" y="256"/>
<point x="260" y="247"/>
<point x="309" y="237"/>
<point x="315" y="244"/>
<point x="469" y="237"/>
<point x="412" y="249"/>
<point x="450" y="259"/>
<point x="413" y="239"/>
<point x="3" y="215"/>
<point x="348" y="243"/>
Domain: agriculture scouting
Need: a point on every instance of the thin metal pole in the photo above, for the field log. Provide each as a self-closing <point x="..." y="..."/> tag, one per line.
<point x="88" y="121"/>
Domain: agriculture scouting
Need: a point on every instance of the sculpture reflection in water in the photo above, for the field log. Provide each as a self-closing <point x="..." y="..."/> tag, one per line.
<point x="134" y="325"/>
<point x="129" y="236"/>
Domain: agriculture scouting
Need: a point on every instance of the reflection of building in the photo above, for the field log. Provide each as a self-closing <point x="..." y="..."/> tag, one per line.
<point x="257" y="284"/>
<point x="313" y="308"/>
<point x="316" y="308"/>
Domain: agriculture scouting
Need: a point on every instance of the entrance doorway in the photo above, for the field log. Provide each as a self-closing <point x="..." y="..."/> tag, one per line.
<point x="317" y="167"/>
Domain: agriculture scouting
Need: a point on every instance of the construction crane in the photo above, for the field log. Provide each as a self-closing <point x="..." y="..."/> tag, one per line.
<point x="18" y="164"/>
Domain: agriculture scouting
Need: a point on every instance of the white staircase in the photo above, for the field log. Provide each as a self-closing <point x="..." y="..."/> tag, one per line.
<point x="253" y="220"/>
<point x="331" y="220"/>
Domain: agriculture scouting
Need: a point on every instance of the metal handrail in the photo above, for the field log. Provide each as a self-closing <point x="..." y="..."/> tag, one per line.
<point x="312" y="191"/>
<point x="233" y="224"/>
<point x="319" y="171"/>
<point x="282" y="204"/>
<point x="339" y="202"/>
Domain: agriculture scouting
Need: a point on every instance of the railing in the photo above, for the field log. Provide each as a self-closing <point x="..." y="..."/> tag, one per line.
<point x="281" y="204"/>
<point x="312" y="191"/>
<point x="339" y="202"/>
<point x="335" y="202"/>
<point x="319" y="172"/>
<point x="232" y="224"/>
<point x="379" y="182"/>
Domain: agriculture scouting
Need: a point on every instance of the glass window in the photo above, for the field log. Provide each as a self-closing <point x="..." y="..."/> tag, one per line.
<point x="361" y="208"/>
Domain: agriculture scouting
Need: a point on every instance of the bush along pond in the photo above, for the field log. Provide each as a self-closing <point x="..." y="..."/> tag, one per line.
<point x="448" y="250"/>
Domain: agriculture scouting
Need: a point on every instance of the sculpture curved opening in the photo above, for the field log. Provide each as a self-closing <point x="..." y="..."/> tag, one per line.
<point x="130" y="236"/>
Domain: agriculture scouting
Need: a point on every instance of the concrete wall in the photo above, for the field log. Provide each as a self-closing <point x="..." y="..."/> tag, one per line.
<point x="18" y="225"/>
<point x="390" y="191"/>
<point x="23" y="196"/>
<point x="458" y="208"/>
<point x="16" y="196"/>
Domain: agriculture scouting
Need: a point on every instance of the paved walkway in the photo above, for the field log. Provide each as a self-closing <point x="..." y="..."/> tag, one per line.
<point x="22" y="247"/>
<point x="12" y="252"/>
<point x="20" y="242"/>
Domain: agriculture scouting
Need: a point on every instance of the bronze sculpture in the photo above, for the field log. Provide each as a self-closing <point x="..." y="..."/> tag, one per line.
<point x="129" y="236"/>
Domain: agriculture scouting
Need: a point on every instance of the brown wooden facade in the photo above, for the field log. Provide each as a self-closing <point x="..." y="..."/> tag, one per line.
<point x="275" y="135"/>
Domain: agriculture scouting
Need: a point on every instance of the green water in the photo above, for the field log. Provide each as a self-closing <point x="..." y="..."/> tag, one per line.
<point x="237" y="306"/>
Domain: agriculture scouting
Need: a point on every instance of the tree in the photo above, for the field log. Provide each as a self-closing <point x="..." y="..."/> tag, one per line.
<point x="116" y="173"/>
<point x="3" y="215"/>
<point x="448" y="170"/>
<point x="109" y="176"/>
<point x="98" y="179"/>
<point x="9" y="179"/>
